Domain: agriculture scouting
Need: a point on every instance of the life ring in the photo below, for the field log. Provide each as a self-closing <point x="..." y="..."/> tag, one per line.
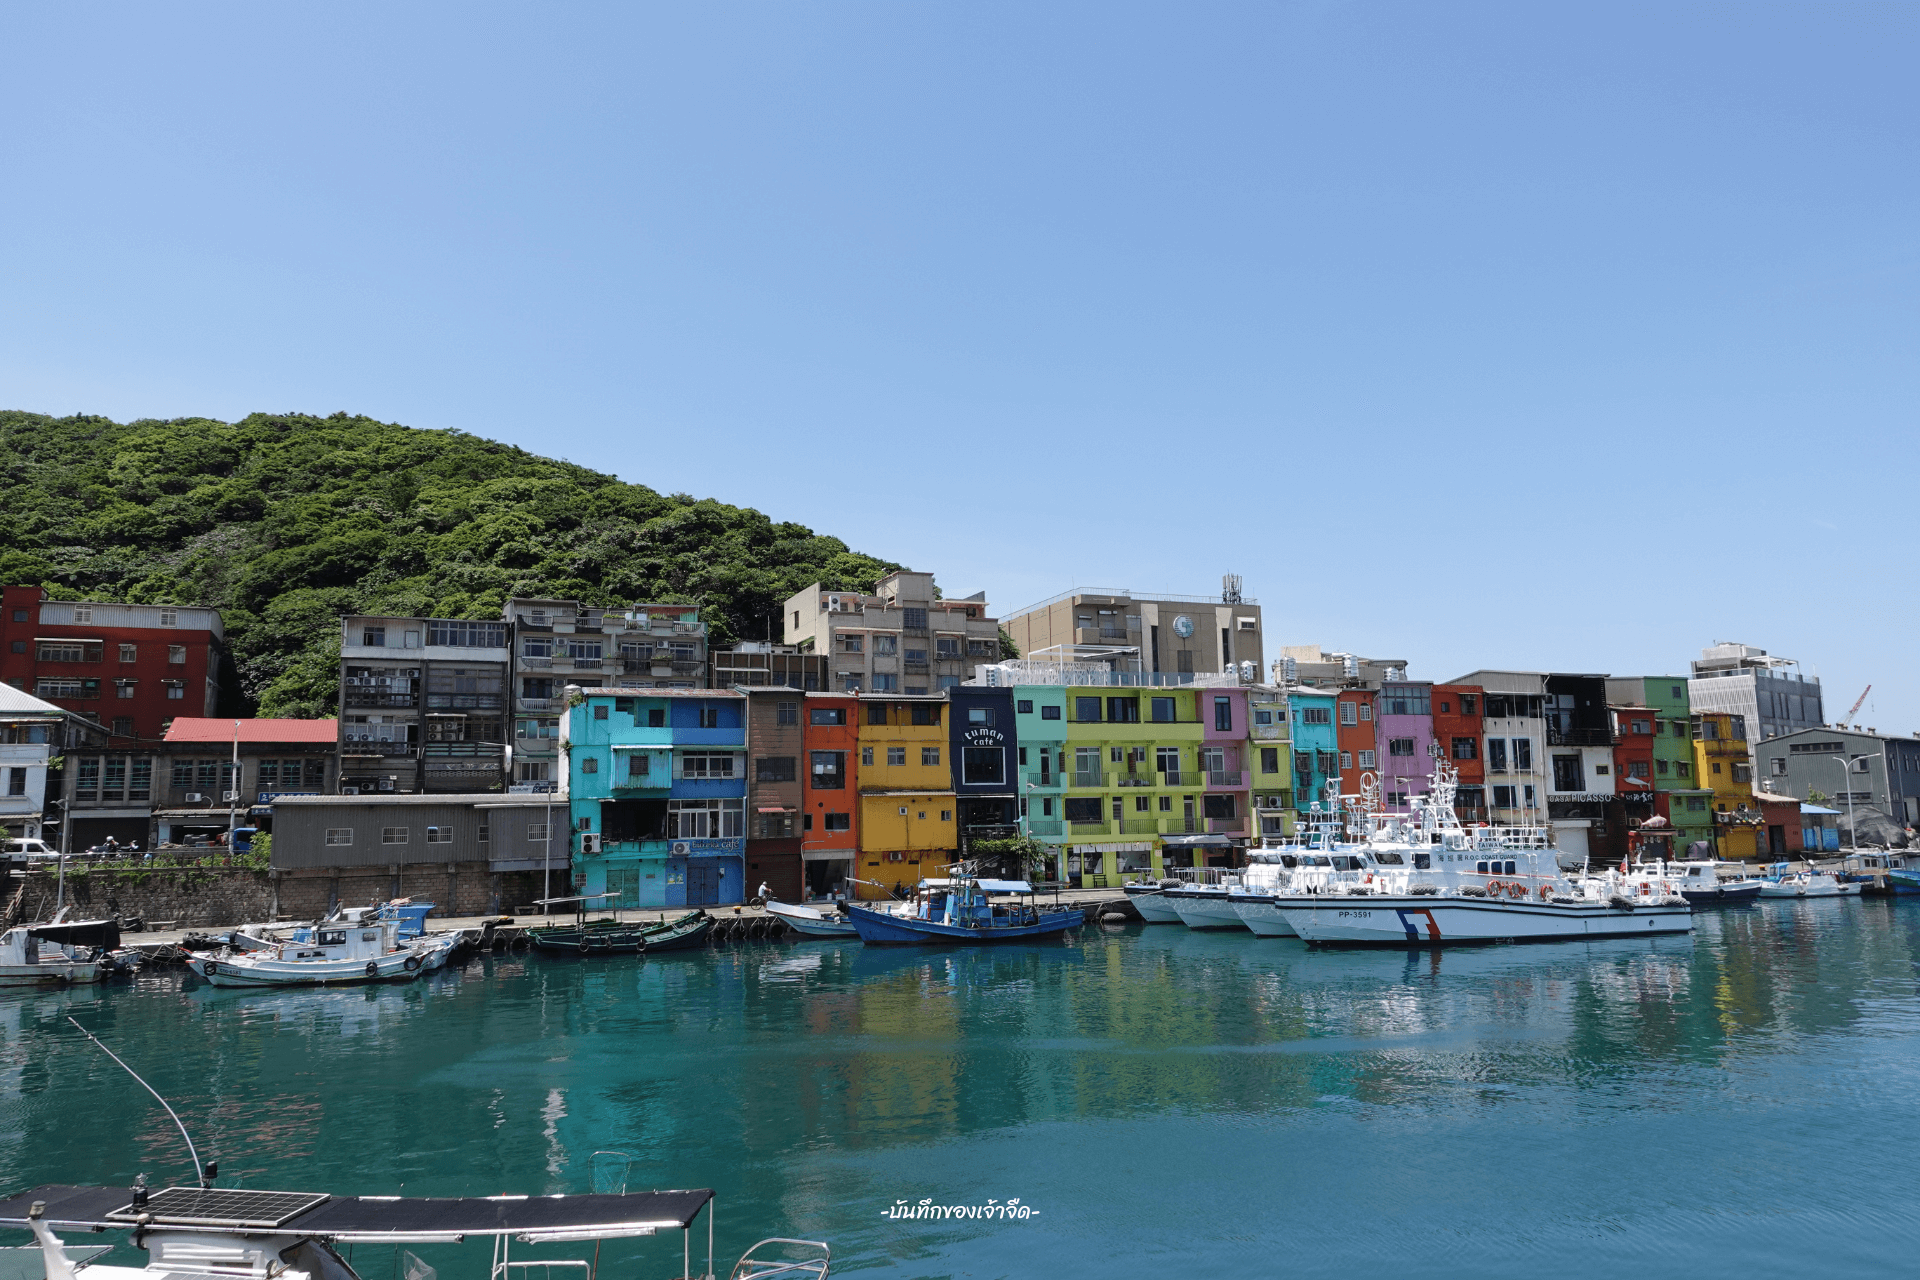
<point x="373" y="968"/>
<point x="1546" y="893"/>
<point x="1493" y="888"/>
<point x="210" y="967"/>
<point x="1515" y="889"/>
<point x="411" y="964"/>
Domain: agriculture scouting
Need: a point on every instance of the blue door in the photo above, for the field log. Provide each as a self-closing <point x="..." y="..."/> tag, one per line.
<point x="703" y="882"/>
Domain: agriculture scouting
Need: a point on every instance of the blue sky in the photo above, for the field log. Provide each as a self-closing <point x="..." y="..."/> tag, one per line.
<point x="1555" y="336"/>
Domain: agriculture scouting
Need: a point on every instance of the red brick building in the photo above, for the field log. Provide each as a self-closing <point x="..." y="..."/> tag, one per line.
<point x="1459" y="712"/>
<point x="130" y="668"/>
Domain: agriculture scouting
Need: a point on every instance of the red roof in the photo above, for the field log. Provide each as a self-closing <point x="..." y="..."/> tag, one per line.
<point x="203" y="729"/>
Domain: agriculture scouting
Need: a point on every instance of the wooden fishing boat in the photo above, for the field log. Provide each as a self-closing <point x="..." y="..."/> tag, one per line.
<point x="686" y="933"/>
<point x="607" y="936"/>
<point x="962" y="909"/>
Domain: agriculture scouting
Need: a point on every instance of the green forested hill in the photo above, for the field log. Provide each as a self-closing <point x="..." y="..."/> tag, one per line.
<point x="284" y="522"/>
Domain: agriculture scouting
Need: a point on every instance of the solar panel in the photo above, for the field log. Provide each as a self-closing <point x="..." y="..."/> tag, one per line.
<point x="221" y="1207"/>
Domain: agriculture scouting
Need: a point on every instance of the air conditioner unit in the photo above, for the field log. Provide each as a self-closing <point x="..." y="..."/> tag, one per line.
<point x="195" y="797"/>
<point x="413" y="673"/>
<point x="589" y="842"/>
<point x="349" y="791"/>
<point x="833" y="604"/>
<point x="385" y="682"/>
<point x="353" y="682"/>
<point x="228" y="797"/>
<point x="681" y="848"/>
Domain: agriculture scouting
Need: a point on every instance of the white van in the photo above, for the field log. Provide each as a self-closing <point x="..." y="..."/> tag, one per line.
<point x="18" y="854"/>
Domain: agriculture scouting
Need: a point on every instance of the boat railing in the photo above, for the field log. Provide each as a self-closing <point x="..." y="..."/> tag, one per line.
<point x="751" y="1268"/>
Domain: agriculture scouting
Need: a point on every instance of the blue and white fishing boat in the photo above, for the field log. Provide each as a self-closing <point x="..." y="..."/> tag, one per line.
<point x="962" y="909"/>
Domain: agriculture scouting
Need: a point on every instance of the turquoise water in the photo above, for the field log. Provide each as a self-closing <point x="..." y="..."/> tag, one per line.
<point x="1735" y="1104"/>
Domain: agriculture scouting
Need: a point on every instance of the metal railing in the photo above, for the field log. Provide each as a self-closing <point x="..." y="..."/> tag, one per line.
<point x="1269" y="733"/>
<point x="1095" y="780"/>
<point x="534" y="663"/>
<point x="1226" y="826"/>
<point x="1047" y="778"/>
<point x="1579" y="737"/>
<point x="1043" y="826"/>
<point x="1140" y="827"/>
<point x="361" y="698"/>
<point x="1144" y="777"/>
<point x="462" y="750"/>
<point x="1226" y="777"/>
<point x="538" y="704"/>
<point x="1179" y="778"/>
<point x="1090" y="828"/>
<point x="1182" y="826"/>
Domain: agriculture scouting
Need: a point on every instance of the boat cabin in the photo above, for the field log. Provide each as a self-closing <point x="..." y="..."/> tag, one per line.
<point x="969" y="904"/>
<point x="364" y="939"/>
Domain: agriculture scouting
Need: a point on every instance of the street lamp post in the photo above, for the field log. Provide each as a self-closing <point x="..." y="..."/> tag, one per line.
<point x="1846" y="772"/>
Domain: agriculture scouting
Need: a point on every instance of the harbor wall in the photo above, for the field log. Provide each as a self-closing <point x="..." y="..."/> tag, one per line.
<point x="216" y="897"/>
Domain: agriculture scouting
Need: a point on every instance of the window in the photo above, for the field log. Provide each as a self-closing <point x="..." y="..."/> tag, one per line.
<point x="125" y="688"/>
<point x="1220" y="808"/>
<point x="590" y="765"/>
<point x="177" y="655"/>
<point x="599" y="711"/>
<point x="1467" y="703"/>
<point x="876" y="713"/>
<point x="129" y="653"/>
<point x="1050" y="713"/>
<point x="1696" y="802"/>
<point x="1399" y="746"/>
<point x="1223" y="715"/>
<point x="536" y="646"/>
<point x="946" y="649"/>
<point x="1346" y="757"/>
<point x="866" y="755"/>
<point x="1123" y="710"/>
<point x="981" y="715"/>
<point x="1637" y="769"/>
<point x="884" y="682"/>
<point x="169" y="617"/>
<point x="1086" y="710"/>
<point x="472" y="635"/>
<point x="886" y="646"/>
<point x="1682" y="769"/>
<point x="929" y="756"/>
<point x="1497" y="754"/>
<point x="1676" y="692"/>
<point x="1568" y="774"/>
<point x="1503" y="798"/>
<point x="439" y="835"/>
<point x="839" y="822"/>
<point x="1679" y="728"/>
<point x="895" y="755"/>
<point x="537" y="728"/>
<point x="393" y="835"/>
<point x="1465" y="749"/>
<point x="705" y="819"/>
<point x="175" y="690"/>
<point x="123" y="726"/>
<point x="533" y="771"/>
<point x="66" y="651"/>
<point x="1716" y="766"/>
<point x="774" y="769"/>
<point x="1367" y="760"/>
<point x="1023" y="707"/>
<point x="339" y="835"/>
<point x="827" y="715"/>
<point x="980" y="648"/>
<point x="1269" y="759"/>
<point x="926" y="713"/>
<point x="1349" y="713"/>
<point x="1641" y="726"/>
<point x="1601" y="770"/>
<point x="788" y="713"/>
<point x="915" y="619"/>
<point x="1315" y="715"/>
<point x="1778" y="766"/>
<point x="1366" y="711"/>
<point x="1083" y="809"/>
<point x="1446" y="708"/>
<point x="829" y="769"/>
<point x="709" y="717"/>
<point x="705" y="765"/>
<point x="1263" y="717"/>
<point x="980" y="765"/>
<point x="639" y="765"/>
<point x="853" y="644"/>
<point x="536" y="832"/>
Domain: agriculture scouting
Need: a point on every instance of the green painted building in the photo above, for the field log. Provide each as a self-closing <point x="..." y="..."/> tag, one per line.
<point x="1680" y="797"/>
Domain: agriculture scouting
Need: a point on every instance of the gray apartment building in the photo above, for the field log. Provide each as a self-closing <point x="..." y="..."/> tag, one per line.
<point x="903" y="638"/>
<point x="1773" y="693"/>
<point x="1173" y="633"/>
<point x="561" y="642"/>
<point x="1318" y="668"/>
<point x="423" y="705"/>
<point x="1875" y="773"/>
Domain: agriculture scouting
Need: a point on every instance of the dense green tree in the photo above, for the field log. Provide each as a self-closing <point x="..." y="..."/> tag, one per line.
<point x="284" y="522"/>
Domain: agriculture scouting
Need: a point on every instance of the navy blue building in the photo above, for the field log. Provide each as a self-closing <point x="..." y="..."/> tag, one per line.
<point x="983" y="745"/>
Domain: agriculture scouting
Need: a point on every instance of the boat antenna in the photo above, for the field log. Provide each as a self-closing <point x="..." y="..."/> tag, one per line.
<point x="198" y="1169"/>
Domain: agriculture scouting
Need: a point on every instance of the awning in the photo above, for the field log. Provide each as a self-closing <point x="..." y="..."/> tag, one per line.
<point x="1814" y="808"/>
<point x="1198" y="842"/>
<point x="776" y="809"/>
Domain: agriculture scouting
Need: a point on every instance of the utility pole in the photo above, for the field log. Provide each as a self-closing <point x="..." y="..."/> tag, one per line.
<point x="233" y="789"/>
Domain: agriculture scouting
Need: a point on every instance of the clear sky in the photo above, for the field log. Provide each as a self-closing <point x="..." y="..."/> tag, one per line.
<point x="1556" y="336"/>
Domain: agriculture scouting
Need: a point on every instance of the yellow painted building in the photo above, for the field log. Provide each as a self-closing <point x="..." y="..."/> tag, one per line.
<point x="1721" y="762"/>
<point x="908" y="808"/>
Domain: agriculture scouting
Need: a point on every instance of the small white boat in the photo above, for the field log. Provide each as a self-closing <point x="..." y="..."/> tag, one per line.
<point x="336" y="953"/>
<point x="812" y="923"/>
<point x="29" y="961"/>
<point x="1149" y="898"/>
<point x="1807" y="884"/>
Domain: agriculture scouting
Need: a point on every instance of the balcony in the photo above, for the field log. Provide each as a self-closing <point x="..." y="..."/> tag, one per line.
<point x="1182" y="826"/>
<point x="1140" y="827"/>
<point x="1226" y="778"/>
<point x="1179" y="778"/>
<point x="538" y="704"/>
<point x="1226" y="826"/>
<point x="583" y="664"/>
<point x="367" y="698"/>
<point x="1142" y="778"/>
<point x="1089" y="781"/>
<point x="1579" y="737"/>
<point x="533" y="663"/>
<point x="1043" y="826"/>
<point x="462" y="750"/>
<point x="1090" y="828"/>
<point x="1269" y="733"/>
<point x="1041" y="779"/>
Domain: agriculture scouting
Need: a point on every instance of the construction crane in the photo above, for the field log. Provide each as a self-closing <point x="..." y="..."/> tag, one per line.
<point x="1854" y="710"/>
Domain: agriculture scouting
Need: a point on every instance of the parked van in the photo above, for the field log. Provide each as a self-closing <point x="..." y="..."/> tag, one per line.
<point x="19" y="854"/>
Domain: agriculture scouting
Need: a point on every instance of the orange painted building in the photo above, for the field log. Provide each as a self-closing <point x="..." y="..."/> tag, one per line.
<point x="829" y="793"/>
<point x="1458" y="722"/>
<point x="1357" y="742"/>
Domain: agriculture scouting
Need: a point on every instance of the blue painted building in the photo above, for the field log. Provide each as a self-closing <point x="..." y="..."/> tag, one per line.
<point x="657" y="786"/>
<point x="1316" y="751"/>
<point x="983" y="740"/>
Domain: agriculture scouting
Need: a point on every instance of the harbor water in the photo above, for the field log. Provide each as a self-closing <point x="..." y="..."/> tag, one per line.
<point x="1738" y="1103"/>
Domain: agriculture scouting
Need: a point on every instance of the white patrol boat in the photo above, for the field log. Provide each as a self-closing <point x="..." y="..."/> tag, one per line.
<point x="1429" y="881"/>
<point x="358" y="947"/>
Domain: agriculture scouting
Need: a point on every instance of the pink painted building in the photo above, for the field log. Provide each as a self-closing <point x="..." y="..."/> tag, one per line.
<point x="1403" y="727"/>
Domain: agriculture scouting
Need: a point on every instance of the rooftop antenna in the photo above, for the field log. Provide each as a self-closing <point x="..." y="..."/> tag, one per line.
<point x="206" y="1172"/>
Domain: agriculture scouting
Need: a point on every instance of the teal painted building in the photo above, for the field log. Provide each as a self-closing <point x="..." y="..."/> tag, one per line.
<point x="1039" y="717"/>
<point x="657" y="786"/>
<point x="1316" y="753"/>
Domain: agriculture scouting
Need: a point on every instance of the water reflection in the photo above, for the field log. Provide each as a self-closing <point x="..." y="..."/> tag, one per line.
<point x="816" y="1083"/>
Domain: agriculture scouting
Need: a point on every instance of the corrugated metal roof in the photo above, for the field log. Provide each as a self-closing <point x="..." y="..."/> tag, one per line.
<point x="19" y="700"/>
<point x="203" y="729"/>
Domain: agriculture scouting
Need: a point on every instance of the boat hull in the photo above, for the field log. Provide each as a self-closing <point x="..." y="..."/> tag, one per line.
<point x="1214" y="911"/>
<point x="1722" y="895"/>
<point x="57" y="974"/>
<point x="688" y="933"/>
<point x="1410" y="921"/>
<point x="249" y="971"/>
<point x="807" y="921"/>
<point x="1152" y="905"/>
<point x="1903" y="881"/>
<point x="1264" y="917"/>
<point x="878" y="928"/>
<point x="1804" y="891"/>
